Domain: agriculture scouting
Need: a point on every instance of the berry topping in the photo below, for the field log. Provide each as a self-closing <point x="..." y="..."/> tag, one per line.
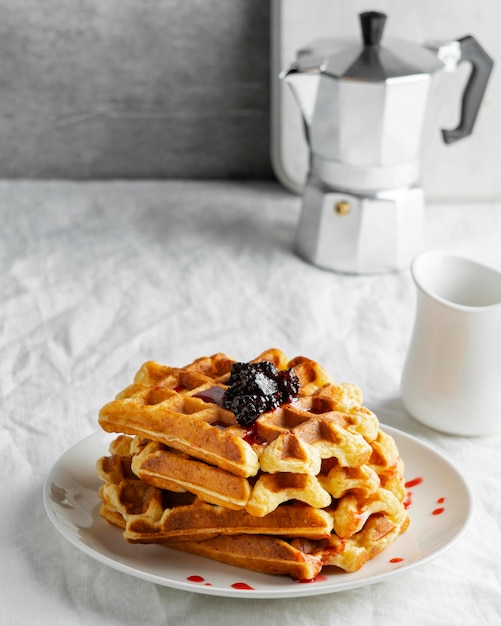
<point x="255" y="388"/>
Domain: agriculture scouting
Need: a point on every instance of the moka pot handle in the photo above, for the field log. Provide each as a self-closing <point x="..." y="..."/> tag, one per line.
<point x="474" y="90"/>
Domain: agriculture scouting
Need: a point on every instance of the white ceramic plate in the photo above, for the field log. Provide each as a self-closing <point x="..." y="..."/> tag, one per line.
<point x="440" y="511"/>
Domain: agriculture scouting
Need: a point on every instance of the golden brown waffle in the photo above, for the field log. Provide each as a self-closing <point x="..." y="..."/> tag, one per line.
<point x="169" y="405"/>
<point x="351" y="554"/>
<point x="302" y="434"/>
<point x="298" y="539"/>
<point x="176" y="471"/>
<point x="167" y="410"/>
<point x="260" y="553"/>
<point x="149" y="515"/>
<point x="315" y="476"/>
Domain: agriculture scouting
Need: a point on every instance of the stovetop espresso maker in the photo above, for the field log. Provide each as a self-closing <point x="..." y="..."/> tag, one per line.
<point x="366" y="106"/>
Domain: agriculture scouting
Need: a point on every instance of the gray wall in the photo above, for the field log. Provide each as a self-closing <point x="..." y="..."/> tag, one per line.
<point x="135" y="89"/>
<point x="466" y="171"/>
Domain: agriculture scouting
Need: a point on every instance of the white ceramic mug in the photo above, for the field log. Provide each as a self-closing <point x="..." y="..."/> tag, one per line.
<point x="451" y="379"/>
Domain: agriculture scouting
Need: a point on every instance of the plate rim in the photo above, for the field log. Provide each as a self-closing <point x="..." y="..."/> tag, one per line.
<point x="295" y="590"/>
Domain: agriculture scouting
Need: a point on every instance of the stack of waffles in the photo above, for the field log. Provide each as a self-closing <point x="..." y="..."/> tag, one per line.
<point x="313" y="483"/>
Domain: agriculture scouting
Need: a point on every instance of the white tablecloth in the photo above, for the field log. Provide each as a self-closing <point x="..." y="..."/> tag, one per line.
<point x="98" y="277"/>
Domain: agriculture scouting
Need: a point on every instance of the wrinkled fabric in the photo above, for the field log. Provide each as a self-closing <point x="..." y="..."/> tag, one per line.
<point x="98" y="277"/>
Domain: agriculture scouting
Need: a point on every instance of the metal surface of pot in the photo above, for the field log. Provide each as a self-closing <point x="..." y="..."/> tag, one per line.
<point x="366" y="107"/>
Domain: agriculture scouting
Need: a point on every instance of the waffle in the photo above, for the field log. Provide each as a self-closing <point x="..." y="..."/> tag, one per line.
<point x="162" y="405"/>
<point x="269" y="555"/>
<point x="312" y="483"/>
<point x="295" y="539"/>
<point x="171" y="406"/>
<point x="148" y="515"/>
<point x="176" y="471"/>
<point x="379" y="532"/>
<point x="302" y="434"/>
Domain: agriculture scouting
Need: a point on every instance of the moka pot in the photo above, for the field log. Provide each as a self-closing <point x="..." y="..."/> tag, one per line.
<point x="366" y="105"/>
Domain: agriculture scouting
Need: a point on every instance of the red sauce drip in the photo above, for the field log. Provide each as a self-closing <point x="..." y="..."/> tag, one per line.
<point x="212" y="394"/>
<point x="241" y="586"/>
<point x="195" y="579"/>
<point x="253" y="437"/>
<point x="318" y="579"/>
<point x="408" y="500"/>
<point x="397" y="559"/>
<point x="414" y="482"/>
<point x="440" y="500"/>
<point x="438" y="511"/>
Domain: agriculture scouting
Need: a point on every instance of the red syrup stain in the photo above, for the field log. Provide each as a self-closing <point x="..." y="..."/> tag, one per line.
<point x="408" y="500"/>
<point x="414" y="482"/>
<point x="318" y="579"/>
<point x="440" y="509"/>
<point x="252" y="437"/>
<point x="214" y="395"/>
<point x="195" y="579"/>
<point x="397" y="559"/>
<point x="408" y="485"/>
<point x="241" y="586"/>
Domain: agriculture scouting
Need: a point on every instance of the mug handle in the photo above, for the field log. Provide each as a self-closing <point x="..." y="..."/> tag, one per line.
<point x="473" y="94"/>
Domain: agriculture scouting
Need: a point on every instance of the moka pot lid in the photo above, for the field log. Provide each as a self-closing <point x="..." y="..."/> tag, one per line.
<point x="369" y="59"/>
